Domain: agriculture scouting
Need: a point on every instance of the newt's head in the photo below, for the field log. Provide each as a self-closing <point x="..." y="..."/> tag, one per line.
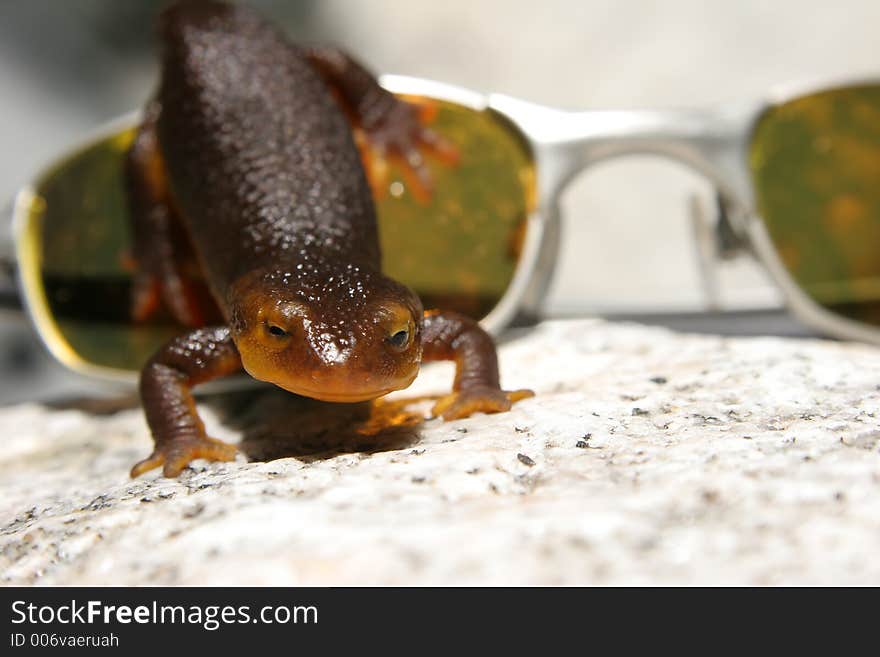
<point x="344" y="336"/>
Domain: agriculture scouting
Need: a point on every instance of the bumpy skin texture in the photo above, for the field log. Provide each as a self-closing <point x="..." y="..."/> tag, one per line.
<point x="247" y="149"/>
<point x="165" y="390"/>
<point x="262" y="163"/>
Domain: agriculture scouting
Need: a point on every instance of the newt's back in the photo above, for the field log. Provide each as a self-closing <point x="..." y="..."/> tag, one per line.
<point x="260" y="157"/>
<point x="252" y="149"/>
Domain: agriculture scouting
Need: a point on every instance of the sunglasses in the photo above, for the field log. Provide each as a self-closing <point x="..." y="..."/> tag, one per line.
<point x="797" y="177"/>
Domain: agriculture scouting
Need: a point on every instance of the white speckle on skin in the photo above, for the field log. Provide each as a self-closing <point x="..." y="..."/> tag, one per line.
<point x="329" y="348"/>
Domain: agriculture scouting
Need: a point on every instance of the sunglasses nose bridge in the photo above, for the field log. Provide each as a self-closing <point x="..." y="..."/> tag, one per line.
<point x="711" y="141"/>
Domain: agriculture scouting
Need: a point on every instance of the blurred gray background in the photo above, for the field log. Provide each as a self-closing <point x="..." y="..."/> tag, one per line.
<point x="68" y="66"/>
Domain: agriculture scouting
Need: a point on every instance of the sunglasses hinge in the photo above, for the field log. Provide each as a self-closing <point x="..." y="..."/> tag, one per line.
<point x="717" y="240"/>
<point x="729" y="242"/>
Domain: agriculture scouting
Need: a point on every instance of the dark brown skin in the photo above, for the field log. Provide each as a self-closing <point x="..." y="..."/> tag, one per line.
<point x="246" y="160"/>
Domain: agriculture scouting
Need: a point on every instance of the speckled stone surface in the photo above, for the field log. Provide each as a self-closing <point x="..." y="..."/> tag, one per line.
<point x="647" y="457"/>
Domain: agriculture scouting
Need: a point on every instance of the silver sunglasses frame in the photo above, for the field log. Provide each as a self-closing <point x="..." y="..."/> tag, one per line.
<point x="713" y="141"/>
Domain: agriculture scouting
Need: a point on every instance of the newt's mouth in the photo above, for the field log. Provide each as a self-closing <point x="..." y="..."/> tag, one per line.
<point x="337" y="396"/>
<point x="342" y="395"/>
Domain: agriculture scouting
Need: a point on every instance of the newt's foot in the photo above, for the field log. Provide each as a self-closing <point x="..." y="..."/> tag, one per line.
<point x="400" y="135"/>
<point x="465" y="403"/>
<point x="176" y="454"/>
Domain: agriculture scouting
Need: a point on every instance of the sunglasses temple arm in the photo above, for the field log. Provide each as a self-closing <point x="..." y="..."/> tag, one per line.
<point x="715" y="240"/>
<point x="9" y="297"/>
<point x="707" y="251"/>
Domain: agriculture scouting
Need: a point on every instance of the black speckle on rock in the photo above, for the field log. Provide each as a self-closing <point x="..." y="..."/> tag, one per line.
<point x="461" y="429"/>
<point x="100" y="502"/>
<point x="418" y="480"/>
<point x="582" y="444"/>
<point x="659" y="380"/>
<point x="525" y="460"/>
<point x="710" y="496"/>
<point x="640" y="412"/>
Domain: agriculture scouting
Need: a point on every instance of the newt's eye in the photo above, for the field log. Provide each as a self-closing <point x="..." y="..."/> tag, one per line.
<point x="276" y="331"/>
<point x="399" y="339"/>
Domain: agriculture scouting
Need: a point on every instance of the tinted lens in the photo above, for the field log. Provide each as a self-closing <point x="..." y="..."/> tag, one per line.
<point x="816" y="169"/>
<point x="74" y="261"/>
<point x="458" y="250"/>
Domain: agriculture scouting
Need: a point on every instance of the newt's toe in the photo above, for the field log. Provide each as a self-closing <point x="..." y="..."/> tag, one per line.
<point x="402" y="138"/>
<point x="177" y="454"/>
<point x="465" y="403"/>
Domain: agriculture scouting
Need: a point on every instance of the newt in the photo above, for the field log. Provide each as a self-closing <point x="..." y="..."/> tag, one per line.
<point x="244" y="174"/>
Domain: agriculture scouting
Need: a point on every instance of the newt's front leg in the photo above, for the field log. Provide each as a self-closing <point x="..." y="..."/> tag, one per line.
<point x="166" y="380"/>
<point x="477" y="389"/>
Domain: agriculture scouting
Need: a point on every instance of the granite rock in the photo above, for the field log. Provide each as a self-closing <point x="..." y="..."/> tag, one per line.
<point x="646" y="457"/>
